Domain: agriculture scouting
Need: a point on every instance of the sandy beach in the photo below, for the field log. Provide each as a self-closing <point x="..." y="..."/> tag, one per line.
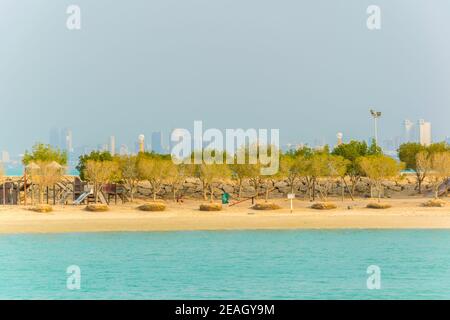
<point x="405" y="213"/>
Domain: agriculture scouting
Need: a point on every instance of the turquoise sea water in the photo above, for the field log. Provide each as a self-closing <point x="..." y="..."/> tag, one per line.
<point x="228" y="265"/>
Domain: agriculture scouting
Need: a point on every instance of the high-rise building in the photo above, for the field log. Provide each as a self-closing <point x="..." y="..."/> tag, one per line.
<point x="157" y="142"/>
<point x="339" y="137"/>
<point x="424" y="132"/>
<point x="112" y="145"/>
<point x="54" y="140"/>
<point x="408" y="126"/>
<point x="5" y="157"/>
<point x="65" y="140"/>
<point x="141" y="143"/>
<point x="69" y="142"/>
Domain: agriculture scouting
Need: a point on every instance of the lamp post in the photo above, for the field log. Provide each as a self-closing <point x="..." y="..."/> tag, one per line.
<point x="375" y="115"/>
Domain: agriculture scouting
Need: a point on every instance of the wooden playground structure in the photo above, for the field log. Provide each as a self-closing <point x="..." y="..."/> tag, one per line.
<point x="69" y="190"/>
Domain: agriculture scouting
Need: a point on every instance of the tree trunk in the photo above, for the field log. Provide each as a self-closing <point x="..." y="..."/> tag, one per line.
<point x="419" y="183"/>
<point x="350" y="191"/>
<point x="314" y="190"/>
<point x="255" y="185"/>
<point x="267" y="193"/>
<point x="41" y="194"/>
<point x="379" y="192"/>
<point x="240" y="190"/>
<point x="211" y="191"/>
<point x="96" y="194"/>
<point x="353" y="188"/>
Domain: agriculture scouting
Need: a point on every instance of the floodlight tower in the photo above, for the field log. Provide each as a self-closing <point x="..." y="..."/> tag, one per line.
<point x="375" y="115"/>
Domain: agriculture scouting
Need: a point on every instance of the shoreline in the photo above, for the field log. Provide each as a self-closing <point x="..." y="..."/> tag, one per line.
<point x="404" y="214"/>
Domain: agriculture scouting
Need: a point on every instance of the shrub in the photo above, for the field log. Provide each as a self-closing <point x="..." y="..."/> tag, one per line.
<point x="323" y="206"/>
<point x="210" y="207"/>
<point x="42" y="208"/>
<point x="266" y="206"/>
<point x="97" y="207"/>
<point x="435" y="203"/>
<point x="377" y="205"/>
<point x="153" y="206"/>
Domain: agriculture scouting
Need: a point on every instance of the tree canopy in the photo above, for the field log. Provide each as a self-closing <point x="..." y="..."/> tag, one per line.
<point x="45" y="153"/>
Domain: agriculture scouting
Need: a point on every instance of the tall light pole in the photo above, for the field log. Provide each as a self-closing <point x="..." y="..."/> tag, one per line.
<point x="375" y="115"/>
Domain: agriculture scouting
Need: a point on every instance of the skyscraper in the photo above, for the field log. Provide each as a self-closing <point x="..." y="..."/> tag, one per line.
<point x="141" y="143"/>
<point x="5" y="157"/>
<point x="112" y="145"/>
<point x="157" y="142"/>
<point x="65" y="139"/>
<point x="424" y="132"/>
<point x="54" y="140"/>
<point x="69" y="142"/>
<point x="408" y="125"/>
<point x="339" y="137"/>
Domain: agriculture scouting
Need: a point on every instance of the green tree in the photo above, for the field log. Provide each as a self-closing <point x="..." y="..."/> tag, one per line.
<point x="440" y="164"/>
<point x="239" y="172"/>
<point x="374" y="149"/>
<point x="379" y="168"/>
<point x="352" y="151"/>
<point x="438" y="147"/>
<point x="44" y="174"/>
<point x="99" y="173"/>
<point x="408" y="153"/>
<point x="324" y="170"/>
<point x="176" y="176"/>
<point x="128" y="167"/>
<point x="95" y="156"/>
<point x="289" y="167"/>
<point x="213" y="173"/>
<point x="45" y="153"/>
<point x="156" y="171"/>
<point x="241" y="169"/>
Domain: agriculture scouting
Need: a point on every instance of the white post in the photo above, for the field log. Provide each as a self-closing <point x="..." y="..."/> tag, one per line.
<point x="291" y="197"/>
<point x="376" y="131"/>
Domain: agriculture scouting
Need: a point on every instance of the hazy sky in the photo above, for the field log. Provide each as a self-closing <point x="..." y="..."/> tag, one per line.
<point x="309" y="68"/>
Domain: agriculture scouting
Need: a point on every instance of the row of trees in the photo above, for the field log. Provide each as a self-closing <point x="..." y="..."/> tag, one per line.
<point x="318" y="170"/>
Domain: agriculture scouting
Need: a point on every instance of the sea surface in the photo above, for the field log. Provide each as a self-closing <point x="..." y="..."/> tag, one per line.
<point x="413" y="264"/>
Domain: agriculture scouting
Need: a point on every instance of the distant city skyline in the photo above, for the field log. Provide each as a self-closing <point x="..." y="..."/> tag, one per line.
<point x="300" y="68"/>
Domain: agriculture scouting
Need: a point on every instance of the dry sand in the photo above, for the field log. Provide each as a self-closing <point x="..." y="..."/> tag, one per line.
<point x="405" y="213"/>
